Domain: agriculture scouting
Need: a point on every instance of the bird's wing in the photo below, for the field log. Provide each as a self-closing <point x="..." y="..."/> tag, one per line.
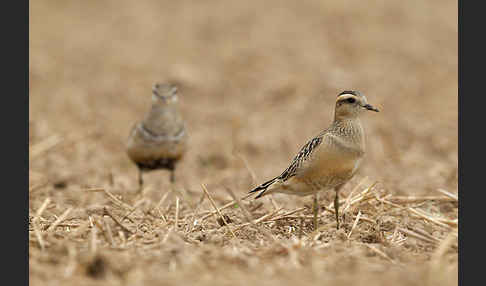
<point x="293" y="169"/>
<point x="301" y="157"/>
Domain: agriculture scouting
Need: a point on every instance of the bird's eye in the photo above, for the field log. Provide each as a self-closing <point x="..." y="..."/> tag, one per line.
<point x="351" y="100"/>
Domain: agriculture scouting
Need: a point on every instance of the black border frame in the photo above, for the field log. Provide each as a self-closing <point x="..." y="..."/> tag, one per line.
<point x="16" y="103"/>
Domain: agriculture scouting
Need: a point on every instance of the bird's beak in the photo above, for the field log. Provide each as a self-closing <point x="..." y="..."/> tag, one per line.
<point x="370" y="107"/>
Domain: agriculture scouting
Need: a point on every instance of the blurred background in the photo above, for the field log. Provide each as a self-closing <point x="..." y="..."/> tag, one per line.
<point x="257" y="80"/>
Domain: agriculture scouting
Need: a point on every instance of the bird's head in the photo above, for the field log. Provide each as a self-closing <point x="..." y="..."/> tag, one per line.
<point x="165" y="93"/>
<point x="351" y="103"/>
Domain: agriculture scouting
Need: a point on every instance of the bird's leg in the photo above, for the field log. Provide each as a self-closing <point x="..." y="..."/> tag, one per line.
<point x="336" y="209"/>
<point x="172" y="176"/>
<point x="140" y="180"/>
<point x="336" y="205"/>
<point x="315" y="208"/>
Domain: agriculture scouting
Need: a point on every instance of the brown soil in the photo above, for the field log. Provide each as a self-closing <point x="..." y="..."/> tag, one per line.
<point x="257" y="80"/>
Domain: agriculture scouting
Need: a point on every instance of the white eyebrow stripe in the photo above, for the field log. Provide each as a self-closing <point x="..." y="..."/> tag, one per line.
<point x="345" y="96"/>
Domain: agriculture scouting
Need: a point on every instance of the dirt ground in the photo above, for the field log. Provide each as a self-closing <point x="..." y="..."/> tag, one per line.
<point x="257" y="79"/>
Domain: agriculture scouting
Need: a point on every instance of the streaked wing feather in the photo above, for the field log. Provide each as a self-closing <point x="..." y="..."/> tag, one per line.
<point x="301" y="157"/>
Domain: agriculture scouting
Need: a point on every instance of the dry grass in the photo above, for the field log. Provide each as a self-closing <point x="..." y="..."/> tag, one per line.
<point x="257" y="80"/>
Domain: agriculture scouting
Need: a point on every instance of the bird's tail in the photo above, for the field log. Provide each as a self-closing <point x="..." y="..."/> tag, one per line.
<point x="263" y="187"/>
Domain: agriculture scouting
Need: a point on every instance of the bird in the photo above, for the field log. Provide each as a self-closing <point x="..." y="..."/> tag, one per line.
<point x="330" y="159"/>
<point x="159" y="141"/>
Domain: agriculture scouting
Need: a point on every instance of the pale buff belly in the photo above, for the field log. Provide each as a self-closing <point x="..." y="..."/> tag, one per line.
<point x="324" y="175"/>
<point x="140" y="150"/>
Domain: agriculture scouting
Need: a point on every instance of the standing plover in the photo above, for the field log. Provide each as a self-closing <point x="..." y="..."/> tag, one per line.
<point x="159" y="140"/>
<point x="330" y="159"/>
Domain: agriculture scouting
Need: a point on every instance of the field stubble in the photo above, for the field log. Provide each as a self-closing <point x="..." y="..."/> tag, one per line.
<point x="257" y="80"/>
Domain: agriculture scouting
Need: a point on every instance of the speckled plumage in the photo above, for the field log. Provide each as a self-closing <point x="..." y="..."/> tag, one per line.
<point x="330" y="159"/>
